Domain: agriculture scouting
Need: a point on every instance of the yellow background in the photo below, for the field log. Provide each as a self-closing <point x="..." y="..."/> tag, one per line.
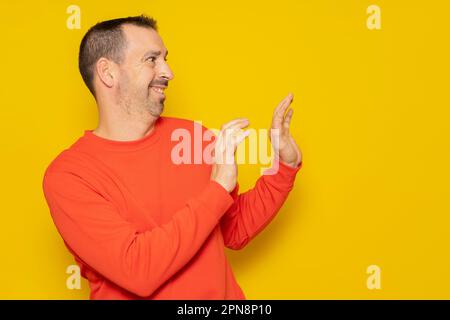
<point x="371" y="117"/>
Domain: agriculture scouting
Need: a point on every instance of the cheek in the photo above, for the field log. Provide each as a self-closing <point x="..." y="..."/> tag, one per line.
<point x="136" y="80"/>
<point x="125" y="81"/>
<point x="148" y="75"/>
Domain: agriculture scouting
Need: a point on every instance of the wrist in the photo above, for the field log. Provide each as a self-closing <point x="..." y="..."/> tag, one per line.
<point x="293" y="164"/>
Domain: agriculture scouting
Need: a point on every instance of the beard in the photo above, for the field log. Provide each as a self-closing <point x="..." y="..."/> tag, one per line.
<point x="141" y="102"/>
<point x="155" y="105"/>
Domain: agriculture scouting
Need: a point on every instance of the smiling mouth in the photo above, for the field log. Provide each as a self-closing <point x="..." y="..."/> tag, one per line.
<point x="158" y="89"/>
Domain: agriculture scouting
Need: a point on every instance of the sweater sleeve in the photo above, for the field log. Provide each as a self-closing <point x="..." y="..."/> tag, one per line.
<point x="253" y="210"/>
<point x="139" y="262"/>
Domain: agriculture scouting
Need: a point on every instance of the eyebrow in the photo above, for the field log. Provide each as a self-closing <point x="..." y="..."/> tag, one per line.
<point x="153" y="52"/>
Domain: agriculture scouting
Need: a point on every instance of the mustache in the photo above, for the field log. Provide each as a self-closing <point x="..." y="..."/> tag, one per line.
<point x="160" y="83"/>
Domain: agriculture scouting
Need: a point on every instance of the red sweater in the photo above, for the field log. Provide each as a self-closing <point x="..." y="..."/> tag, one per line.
<point x="142" y="227"/>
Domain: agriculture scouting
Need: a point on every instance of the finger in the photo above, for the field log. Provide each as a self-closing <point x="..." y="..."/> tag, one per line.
<point x="286" y="105"/>
<point x="277" y="117"/>
<point x="239" y="125"/>
<point x="233" y="122"/>
<point x="282" y="102"/>
<point x="288" y="118"/>
<point x="226" y="136"/>
<point x="229" y="127"/>
<point x="241" y="136"/>
<point x="233" y="129"/>
<point x="280" y="110"/>
<point x="230" y="143"/>
<point x="233" y="137"/>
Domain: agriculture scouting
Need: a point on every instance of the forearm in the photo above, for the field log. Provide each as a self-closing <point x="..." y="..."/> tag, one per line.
<point x="253" y="210"/>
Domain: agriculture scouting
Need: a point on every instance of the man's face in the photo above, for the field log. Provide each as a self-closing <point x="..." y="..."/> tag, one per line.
<point x="144" y="73"/>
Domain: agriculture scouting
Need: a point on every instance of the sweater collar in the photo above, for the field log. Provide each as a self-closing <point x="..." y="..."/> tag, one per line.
<point x="116" y="145"/>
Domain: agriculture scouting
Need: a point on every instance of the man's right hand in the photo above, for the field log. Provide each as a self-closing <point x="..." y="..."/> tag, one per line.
<point x="224" y="169"/>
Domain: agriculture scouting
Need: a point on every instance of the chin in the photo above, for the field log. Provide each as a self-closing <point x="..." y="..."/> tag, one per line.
<point x="156" y="110"/>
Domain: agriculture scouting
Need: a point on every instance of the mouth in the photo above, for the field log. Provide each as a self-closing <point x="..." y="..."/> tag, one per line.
<point x="159" y="90"/>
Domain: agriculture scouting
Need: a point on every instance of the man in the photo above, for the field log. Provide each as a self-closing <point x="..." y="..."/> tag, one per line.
<point x="139" y="225"/>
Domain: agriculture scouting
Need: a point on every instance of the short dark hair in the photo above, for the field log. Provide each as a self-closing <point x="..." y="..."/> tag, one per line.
<point x="106" y="39"/>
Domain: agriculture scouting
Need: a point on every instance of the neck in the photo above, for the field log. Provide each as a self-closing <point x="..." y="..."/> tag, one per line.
<point x="117" y="124"/>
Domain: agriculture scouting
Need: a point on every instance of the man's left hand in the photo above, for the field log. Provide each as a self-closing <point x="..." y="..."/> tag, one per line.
<point x="280" y="136"/>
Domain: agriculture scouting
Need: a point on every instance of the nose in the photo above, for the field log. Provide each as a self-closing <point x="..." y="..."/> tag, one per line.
<point x="166" y="72"/>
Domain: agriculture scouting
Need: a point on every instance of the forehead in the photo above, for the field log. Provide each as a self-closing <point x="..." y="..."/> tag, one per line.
<point x="140" y="40"/>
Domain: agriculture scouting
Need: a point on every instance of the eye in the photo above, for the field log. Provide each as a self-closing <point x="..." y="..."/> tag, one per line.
<point x="152" y="59"/>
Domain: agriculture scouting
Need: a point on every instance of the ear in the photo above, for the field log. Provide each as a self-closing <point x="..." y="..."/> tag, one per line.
<point x="105" y="70"/>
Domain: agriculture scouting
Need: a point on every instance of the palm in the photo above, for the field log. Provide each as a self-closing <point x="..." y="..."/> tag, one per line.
<point x="280" y="136"/>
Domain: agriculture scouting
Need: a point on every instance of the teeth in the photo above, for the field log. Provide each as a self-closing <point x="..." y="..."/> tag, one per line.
<point x="160" y="90"/>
